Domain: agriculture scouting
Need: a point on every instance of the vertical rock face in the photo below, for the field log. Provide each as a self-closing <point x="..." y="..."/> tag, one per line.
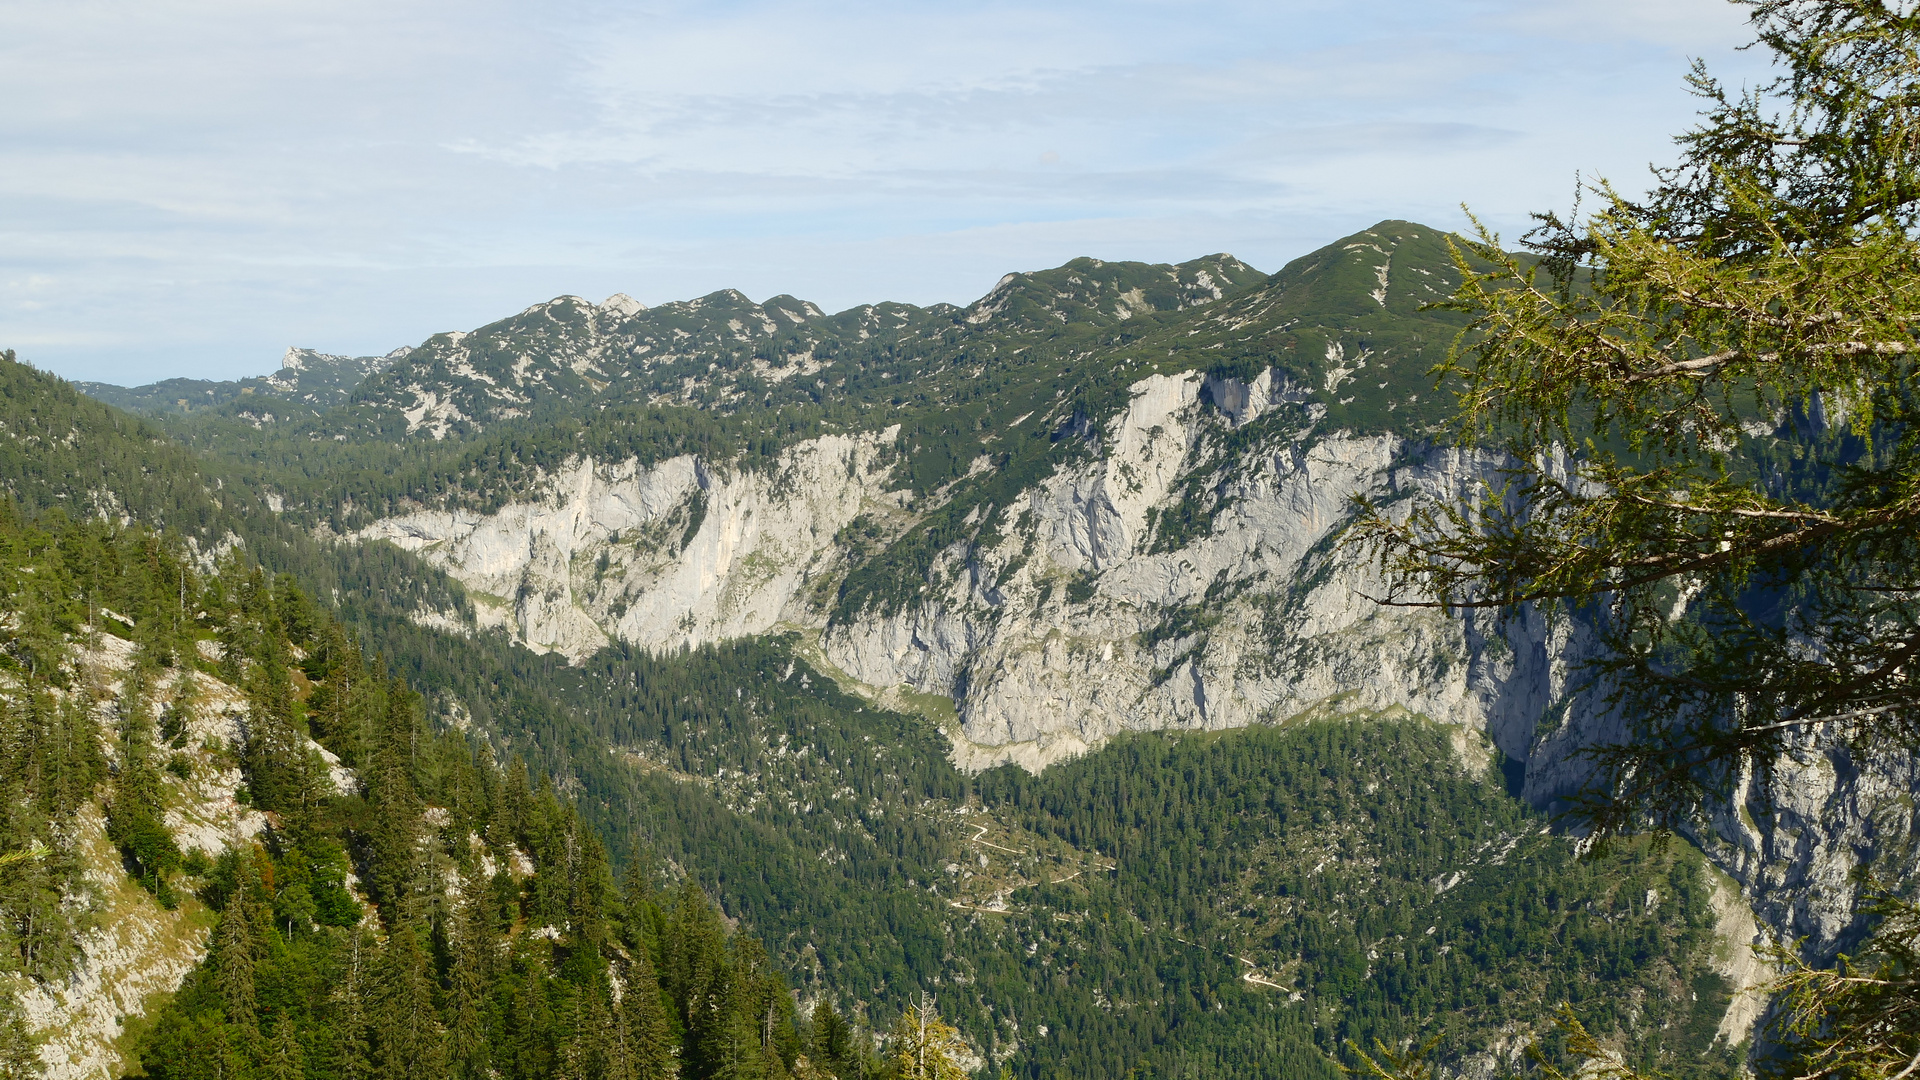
<point x="1080" y="612"/>
<point x="1186" y="573"/>
<point x="1795" y="839"/>
<point x="1083" y="621"/>
<point x="680" y="551"/>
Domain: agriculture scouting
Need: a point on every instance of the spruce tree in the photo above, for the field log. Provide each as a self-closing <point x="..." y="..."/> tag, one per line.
<point x="19" y="1056"/>
<point x="593" y="1049"/>
<point x="284" y="1058"/>
<point x="649" y="1032"/>
<point x="832" y="1046"/>
<point x="527" y="1045"/>
<point x="728" y="1044"/>
<point x="408" y="1043"/>
<point x="589" y="894"/>
<point x="347" y="1010"/>
<point x="233" y="959"/>
<point x="395" y="805"/>
<point x="472" y="980"/>
<point x="694" y="951"/>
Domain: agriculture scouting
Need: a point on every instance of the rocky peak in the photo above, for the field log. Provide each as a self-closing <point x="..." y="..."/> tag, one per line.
<point x="621" y="305"/>
<point x="1094" y="292"/>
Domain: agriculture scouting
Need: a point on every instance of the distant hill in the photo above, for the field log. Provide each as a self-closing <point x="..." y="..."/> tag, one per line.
<point x="62" y="449"/>
<point x="306" y="377"/>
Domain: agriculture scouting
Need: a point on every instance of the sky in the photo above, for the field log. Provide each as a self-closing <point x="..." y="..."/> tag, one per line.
<point x="188" y="188"/>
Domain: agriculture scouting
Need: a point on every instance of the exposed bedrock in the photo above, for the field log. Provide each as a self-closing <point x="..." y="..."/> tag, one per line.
<point x="1186" y="573"/>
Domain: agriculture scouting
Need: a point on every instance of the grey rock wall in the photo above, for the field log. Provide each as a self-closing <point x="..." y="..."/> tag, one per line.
<point x="1079" y="620"/>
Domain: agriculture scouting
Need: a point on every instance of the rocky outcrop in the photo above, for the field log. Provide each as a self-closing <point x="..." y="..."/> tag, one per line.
<point x="135" y="949"/>
<point x="1078" y="620"/>
<point x="1186" y="574"/>
<point x="682" y="551"/>
<point x="1083" y="622"/>
<point x="1795" y="838"/>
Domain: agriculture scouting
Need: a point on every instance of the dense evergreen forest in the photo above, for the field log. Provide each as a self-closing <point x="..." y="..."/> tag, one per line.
<point x="1669" y="451"/>
<point x="1303" y="849"/>
<point x="448" y="915"/>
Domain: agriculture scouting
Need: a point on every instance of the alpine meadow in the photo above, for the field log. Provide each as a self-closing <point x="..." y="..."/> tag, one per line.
<point x="1443" y="657"/>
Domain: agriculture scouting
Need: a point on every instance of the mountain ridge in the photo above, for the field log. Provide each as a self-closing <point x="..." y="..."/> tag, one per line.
<point x="305" y="377"/>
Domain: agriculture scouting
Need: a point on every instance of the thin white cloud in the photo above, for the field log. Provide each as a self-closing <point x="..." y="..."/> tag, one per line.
<point x="192" y="186"/>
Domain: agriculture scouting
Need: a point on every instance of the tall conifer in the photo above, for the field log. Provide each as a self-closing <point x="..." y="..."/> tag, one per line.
<point x="472" y="980"/>
<point x="233" y="951"/>
<point x="352" y="1056"/>
<point x="649" y="1031"/>
<point x="284" y="1058"/>
<point x="407" y="1036"/>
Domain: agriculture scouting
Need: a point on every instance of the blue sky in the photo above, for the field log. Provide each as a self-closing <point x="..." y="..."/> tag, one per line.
<point x="186" y="188"/>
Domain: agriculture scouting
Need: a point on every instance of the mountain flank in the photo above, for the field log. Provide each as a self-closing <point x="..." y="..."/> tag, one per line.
<point x="1009" y="652"/>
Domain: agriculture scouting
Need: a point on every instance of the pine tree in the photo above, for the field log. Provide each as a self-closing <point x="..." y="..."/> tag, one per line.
<point x="472" y="980"/>
<point x="517" y="803"/>
<point x="649" y="1031"/>
<point x="614" y="1059"/>
<point x="19" y="1057"/>
<point x="576" y="1051"/>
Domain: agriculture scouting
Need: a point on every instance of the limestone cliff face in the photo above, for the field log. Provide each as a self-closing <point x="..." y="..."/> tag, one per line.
<point x="1793" y="840"/>
<point x="682" y="551"/>
<point x="1185" y="573"/>
<point x="1075" y="618"/>
<point x="1079" y="624"/>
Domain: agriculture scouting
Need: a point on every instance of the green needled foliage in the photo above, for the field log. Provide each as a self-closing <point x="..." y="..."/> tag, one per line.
<point x="923" y="1047"/>
<point x="1860" y="1018"/>
<point x="499" y="946"/>
<point x="1711" y="415"/>
<point x="1712" y="411"/>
